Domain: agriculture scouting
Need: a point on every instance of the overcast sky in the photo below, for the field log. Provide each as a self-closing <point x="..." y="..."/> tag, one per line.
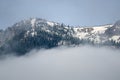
<point x="72" y="12"/>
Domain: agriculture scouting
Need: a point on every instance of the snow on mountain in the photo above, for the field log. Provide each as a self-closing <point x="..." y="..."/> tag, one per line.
<point x="115" y="38"/>
<point x="100" y="29"/>
<point x="37" y="23"/>
<point x="33" y="22"/>
<point x="40" y="33"/>
<point x="50" y="23"/>
<point x="95" y="34"/>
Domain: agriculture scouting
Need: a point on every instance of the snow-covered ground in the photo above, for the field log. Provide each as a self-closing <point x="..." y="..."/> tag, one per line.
<point x="92" y="33"/>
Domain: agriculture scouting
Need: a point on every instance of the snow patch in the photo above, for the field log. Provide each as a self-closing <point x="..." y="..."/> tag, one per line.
<point x="33" y="22"/>
<point x="115" y="38"/>
<point x="91" y="33"/>
<point x="81" y="35"/>
<point x="34" y="34"/>
<point x="50" y="23"/>
<point x="99" y="30"/>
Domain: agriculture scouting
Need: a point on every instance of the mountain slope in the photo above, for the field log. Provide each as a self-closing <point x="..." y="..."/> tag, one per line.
<point x="95" y="34"/>
<point x="40" y="33"/>
<point x="35" y="33"/>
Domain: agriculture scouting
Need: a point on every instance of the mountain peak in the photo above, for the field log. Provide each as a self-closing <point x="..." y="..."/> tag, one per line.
<point x="35" y="21"/>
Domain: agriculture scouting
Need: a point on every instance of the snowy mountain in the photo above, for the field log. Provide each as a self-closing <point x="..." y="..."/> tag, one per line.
<point x="40" y="33"/>
<point x="108" y="35"/>
<point x="95" y="34"/>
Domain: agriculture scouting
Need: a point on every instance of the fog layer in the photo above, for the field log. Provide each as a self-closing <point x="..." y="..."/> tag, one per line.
<point x="78" y="63"/>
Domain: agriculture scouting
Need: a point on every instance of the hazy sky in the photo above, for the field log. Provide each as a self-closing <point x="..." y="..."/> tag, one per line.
<point x="72" y="12"/>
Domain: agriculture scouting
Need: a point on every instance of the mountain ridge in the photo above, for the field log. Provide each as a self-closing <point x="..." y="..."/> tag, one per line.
<point x="39" y="33"/>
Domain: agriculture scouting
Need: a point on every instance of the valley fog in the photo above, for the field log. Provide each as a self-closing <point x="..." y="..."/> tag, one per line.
<point x="63" y="63"/>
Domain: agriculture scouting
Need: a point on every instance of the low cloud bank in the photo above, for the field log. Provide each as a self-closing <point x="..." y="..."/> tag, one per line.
<point x="78" y="63"/>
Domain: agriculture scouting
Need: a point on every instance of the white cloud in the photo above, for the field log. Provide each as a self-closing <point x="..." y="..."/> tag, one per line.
<point x="78" y="63"/>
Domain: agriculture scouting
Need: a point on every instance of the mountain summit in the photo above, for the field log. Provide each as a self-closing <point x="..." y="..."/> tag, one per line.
<point x="36" y="33"/>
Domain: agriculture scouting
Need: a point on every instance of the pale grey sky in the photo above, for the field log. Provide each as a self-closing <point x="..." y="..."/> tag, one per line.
<point x="71" y="12"/>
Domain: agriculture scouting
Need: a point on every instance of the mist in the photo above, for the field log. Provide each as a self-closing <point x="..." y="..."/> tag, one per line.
<point x="63" y="63"/>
